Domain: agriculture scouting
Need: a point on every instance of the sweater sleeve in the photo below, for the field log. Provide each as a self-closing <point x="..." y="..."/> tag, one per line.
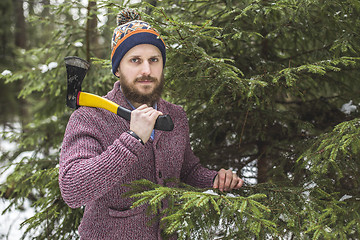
<point x="87" y="171"/>
<point x="192" y="172"/>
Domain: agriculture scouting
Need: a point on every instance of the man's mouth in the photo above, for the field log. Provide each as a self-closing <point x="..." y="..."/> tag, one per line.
<point x="145" y="82"/>
<point x="145" y="79"/>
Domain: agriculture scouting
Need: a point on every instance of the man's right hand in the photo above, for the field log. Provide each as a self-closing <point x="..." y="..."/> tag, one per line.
<point x="143" y="121"/>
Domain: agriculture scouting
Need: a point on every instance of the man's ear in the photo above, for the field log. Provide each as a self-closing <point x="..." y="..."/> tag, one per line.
<point x="117" y="74"/>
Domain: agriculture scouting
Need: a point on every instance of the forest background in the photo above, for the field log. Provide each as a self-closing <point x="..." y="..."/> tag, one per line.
<point x="271" y="89"/>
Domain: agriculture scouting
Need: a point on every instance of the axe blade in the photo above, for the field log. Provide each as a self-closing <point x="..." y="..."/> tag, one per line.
<point x="76" y="69"/>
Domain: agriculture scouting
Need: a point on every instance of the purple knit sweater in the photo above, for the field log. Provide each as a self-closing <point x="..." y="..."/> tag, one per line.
<point x="98" y="157"/>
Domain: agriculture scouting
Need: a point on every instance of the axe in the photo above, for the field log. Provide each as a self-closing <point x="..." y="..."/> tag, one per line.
<point x="76" y="69"/>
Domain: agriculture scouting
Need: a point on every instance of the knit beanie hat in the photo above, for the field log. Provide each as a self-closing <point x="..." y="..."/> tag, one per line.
<point x="131" y="31"/>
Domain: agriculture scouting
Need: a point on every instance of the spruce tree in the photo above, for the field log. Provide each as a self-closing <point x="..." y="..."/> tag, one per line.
<point x="264" y="84"/>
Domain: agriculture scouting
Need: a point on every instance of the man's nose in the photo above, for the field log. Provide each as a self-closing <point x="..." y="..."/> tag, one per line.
<point x="146" y="70"/>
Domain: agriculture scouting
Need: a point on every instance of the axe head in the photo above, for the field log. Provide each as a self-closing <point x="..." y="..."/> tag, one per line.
<point x="76" y="69"/>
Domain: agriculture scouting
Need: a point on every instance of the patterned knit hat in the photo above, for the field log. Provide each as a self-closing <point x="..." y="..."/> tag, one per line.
<point x="131" y="31"/>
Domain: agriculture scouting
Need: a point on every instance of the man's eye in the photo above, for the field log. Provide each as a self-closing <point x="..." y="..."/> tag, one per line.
<point x="154" y="59"/>
<point x="134" y="60"/>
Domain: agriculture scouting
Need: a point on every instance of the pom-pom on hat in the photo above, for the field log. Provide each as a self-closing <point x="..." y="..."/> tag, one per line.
<point x="132" y="31"/>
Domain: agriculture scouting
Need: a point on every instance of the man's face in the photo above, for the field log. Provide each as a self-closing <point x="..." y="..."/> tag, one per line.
<point x="141" y="74"/>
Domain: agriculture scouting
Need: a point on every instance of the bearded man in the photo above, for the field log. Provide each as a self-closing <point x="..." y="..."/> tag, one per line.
<point x="101" y="151"/>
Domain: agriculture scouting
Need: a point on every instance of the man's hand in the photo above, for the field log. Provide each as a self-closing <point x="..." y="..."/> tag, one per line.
<point x="226" y="180"/>
<point x="143" y="120"/>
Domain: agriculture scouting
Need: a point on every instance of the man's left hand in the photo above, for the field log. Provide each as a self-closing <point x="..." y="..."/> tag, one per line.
<point x="226" y="180"/>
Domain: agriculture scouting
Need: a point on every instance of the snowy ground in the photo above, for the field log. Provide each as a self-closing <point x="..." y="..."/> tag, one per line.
<point x="11" y="220"/>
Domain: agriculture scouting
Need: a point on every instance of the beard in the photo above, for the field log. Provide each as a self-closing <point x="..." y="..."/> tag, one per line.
<point x="134" y="96"/>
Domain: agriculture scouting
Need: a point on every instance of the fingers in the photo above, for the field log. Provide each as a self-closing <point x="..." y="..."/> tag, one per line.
<point x="150" y="115"/>
<point x="226" y="180"/>
<point x="239" y="184"/>
<point x="225" y="184"/>
<point x="234" y="181"/>
<point x="143" y="120"/>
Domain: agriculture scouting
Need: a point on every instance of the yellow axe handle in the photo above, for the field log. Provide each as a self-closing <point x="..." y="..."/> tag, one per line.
<point x="163" y="122"/>
<point x="92" y="100"/>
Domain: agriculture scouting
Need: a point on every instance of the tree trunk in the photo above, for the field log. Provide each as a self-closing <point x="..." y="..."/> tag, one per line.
<point x="149" y="9"/>
<point x="21" y="42"/>
<point x="20" y="25"/>
<point x="5" y="33"/>
<point x="262" y="164"/>
<point x="91" y="30"/>
<point x="46" y="10"/>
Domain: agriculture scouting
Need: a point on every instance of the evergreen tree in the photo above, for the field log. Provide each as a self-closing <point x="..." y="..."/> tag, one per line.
<point x="264" y="84"/>
<point x="8" y="101"/>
